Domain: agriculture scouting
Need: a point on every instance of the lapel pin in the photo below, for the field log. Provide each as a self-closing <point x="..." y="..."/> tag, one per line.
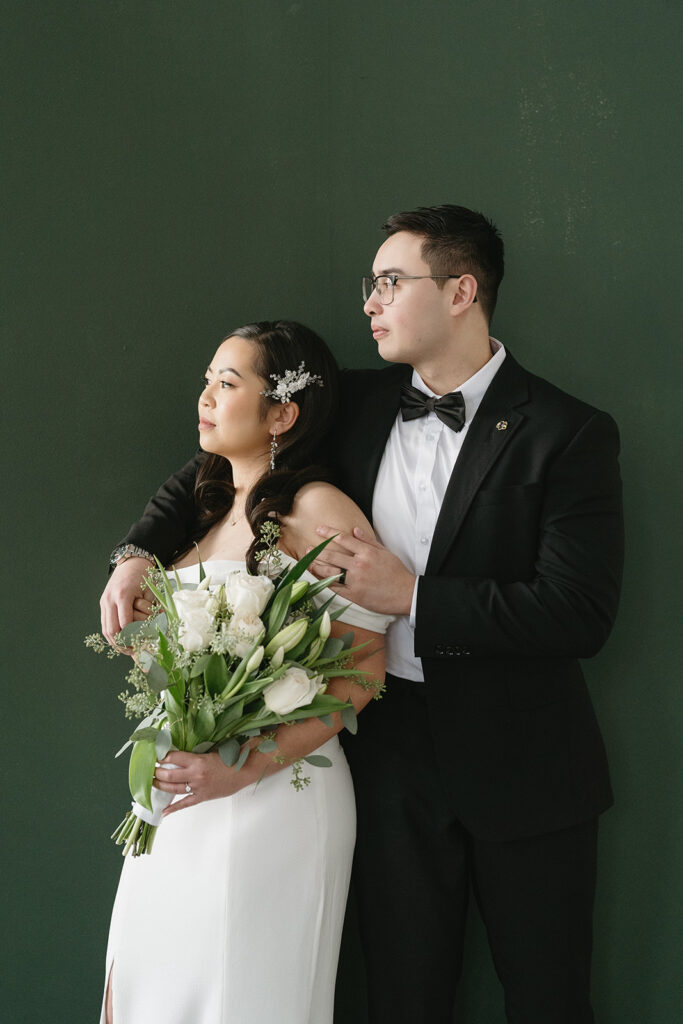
<point x="502" y="425"/>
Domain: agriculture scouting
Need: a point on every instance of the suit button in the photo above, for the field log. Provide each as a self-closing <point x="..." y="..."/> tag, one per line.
<point x="439" y="649"/>
<point x="450" y="651"/>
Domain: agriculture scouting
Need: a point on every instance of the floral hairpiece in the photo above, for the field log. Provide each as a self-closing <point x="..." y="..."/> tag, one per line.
<point x="290" y="382"/>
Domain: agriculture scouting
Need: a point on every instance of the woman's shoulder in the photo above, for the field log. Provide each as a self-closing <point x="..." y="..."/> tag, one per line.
<point x="320" y="504"/>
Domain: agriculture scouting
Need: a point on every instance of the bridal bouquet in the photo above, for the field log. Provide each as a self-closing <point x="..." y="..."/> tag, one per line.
<point x="217" y="666"/>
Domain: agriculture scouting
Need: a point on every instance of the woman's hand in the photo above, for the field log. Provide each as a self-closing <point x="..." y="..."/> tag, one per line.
<point x="205" y="775"/>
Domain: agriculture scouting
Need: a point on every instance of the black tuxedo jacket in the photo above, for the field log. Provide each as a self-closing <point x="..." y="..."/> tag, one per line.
<point x="522" y="580"/>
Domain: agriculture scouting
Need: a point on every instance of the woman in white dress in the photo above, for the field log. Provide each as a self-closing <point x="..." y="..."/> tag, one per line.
<point x="237" y="914"/>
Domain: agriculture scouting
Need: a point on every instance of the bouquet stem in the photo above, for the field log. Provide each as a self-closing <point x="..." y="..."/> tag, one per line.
<point x="135" y="835"/>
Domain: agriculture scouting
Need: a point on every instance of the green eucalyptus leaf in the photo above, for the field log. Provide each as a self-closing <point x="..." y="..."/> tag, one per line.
<point x="160" y="621"/>
<point x="318" y="761"/>
<point x="145" y="660"/>
<point x="134" y="629"/>
<point x="327" y="720"/>
<point x="203" y="747"/>
<point x="333" y="647"/>
<point x="229" y="751"/>
<point x="267" y="746"/>
<point x="157" y="677"/>
<point x="242" y="758"/>
<point x="163" y="743"/>
<point x="349" y="719"/>
<point x="347" y="639"/>
<point x="144" y="733"/>
<point x="200" y="664"/>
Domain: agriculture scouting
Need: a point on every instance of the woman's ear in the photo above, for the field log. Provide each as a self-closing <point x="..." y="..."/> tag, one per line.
<point x="282" y="417"/>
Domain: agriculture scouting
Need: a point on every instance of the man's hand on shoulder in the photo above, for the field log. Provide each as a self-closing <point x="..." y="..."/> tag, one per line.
<point x="375" y="578"/>
<point x="123" y="600"/>
<point x="320" y="502"/>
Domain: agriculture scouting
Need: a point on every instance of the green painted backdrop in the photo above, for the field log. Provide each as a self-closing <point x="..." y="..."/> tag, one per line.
<point x="175" y="168"/>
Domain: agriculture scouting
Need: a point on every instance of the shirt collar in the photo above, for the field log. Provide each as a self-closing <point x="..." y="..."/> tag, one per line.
<point x="474" y="389"/>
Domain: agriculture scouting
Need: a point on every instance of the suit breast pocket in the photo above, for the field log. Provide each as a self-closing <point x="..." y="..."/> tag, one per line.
<point x="513" y="496"/>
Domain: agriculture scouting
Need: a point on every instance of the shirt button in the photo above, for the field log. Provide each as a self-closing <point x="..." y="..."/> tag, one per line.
<point x="423" y="486"/>
<point x="424" y="540"/>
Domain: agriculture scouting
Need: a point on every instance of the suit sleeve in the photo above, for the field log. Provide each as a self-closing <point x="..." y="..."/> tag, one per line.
<point x="567" y="607"/>
<point x="166" y="523"/>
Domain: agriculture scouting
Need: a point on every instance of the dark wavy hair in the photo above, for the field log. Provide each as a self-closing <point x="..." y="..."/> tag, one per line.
<point x="279" y="346"/>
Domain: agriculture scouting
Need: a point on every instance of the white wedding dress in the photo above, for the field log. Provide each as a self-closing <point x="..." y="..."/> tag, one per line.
<point x="236" y="915"/>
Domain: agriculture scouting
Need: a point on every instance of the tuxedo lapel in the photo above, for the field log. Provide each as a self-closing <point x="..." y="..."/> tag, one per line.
<point x="489" y="433"/>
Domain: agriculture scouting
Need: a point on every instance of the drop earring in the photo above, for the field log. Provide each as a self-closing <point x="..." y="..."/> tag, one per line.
<point x="273" y="450"/>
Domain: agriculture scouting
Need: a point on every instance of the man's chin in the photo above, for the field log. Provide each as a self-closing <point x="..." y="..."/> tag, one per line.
<point x="390" y="353"/>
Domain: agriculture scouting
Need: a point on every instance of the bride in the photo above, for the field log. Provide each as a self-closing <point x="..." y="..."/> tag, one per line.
<point x="237" y="915"/>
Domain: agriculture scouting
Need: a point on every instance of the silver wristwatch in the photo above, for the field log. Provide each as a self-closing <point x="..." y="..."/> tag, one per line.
<point x="125" y="551"/>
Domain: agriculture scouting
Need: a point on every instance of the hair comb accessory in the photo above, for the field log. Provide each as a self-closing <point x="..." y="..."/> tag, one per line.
<point x="291" y="381"/>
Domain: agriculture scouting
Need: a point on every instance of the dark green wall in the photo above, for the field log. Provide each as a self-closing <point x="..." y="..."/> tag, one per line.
<point x="175" y="168"/>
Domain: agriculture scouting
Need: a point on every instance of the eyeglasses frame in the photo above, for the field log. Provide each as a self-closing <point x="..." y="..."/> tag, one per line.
<point x="373" y="278"/>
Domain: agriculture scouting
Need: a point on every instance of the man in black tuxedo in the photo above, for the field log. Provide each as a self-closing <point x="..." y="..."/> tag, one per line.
<point x="497" y="509"/>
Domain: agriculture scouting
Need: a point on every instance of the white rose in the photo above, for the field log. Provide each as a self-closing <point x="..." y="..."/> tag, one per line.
<point x="242" y="632"/>
<point x="196" y="610"/>
<point x="294" y="689"/>
<point x="248" y="595"/>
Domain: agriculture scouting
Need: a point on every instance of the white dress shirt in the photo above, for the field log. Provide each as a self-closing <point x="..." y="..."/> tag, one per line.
<point x="411" y="484"/>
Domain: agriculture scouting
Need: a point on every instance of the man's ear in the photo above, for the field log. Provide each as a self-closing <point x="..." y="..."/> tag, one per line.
<point x="464" y="293"/>
<point x="282" y="417"/>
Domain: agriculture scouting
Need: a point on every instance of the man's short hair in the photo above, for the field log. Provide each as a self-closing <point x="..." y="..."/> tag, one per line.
<point x="457" y="241"/>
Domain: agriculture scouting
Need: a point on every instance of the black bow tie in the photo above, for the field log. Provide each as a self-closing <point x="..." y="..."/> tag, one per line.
<point x="450" y="409"/>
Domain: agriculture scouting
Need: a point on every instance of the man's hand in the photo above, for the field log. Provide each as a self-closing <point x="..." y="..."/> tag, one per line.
<point x="123" y="601"/>
<point x="375" y="578"/>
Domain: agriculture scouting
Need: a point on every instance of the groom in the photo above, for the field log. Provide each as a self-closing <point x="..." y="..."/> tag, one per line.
<point x="499" y="514"/>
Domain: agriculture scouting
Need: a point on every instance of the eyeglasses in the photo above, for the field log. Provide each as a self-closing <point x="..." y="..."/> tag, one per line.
<point x="384" y="284"/>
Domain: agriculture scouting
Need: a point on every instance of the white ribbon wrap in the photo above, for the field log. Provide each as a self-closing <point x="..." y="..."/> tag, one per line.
<point x="159" y="800"/>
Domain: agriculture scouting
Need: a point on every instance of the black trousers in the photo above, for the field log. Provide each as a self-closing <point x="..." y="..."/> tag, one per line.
<point x="414" y="867"/>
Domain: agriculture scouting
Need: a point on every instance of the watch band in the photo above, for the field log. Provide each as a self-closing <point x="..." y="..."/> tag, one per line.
<point x="125" y="551"/>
